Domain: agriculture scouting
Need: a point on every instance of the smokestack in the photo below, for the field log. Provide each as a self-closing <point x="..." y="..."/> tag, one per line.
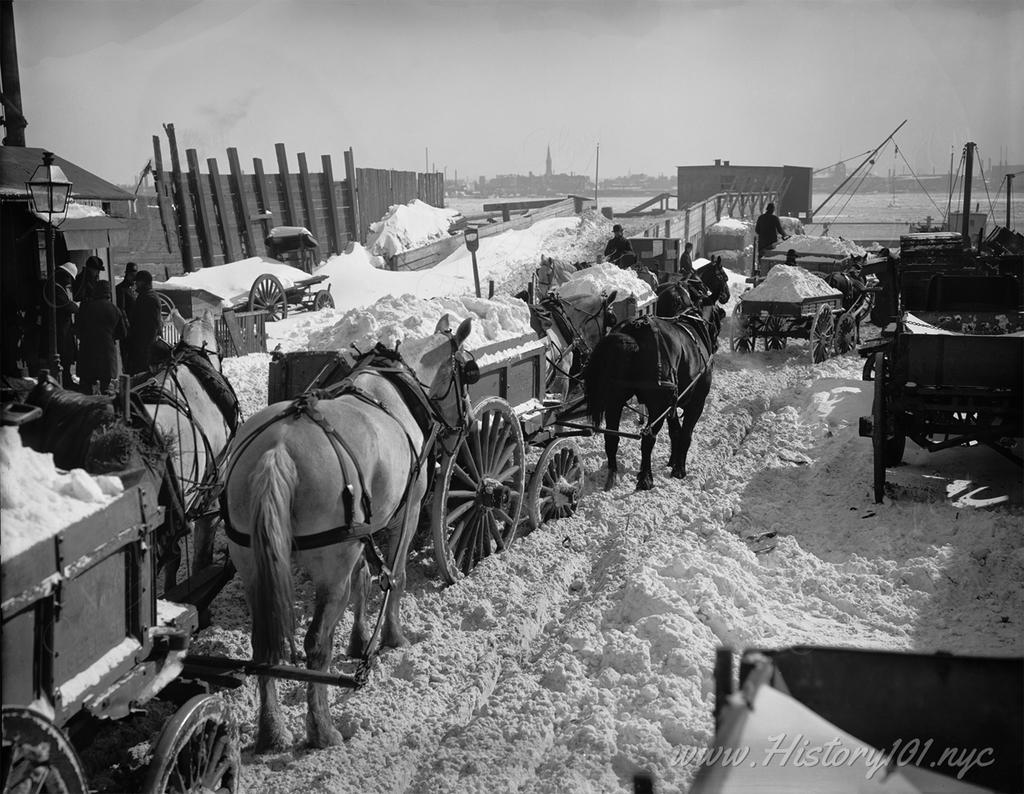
<point x="718" y="162"/>
<point x="10" y="80"/>
<point x="726" y="163"/>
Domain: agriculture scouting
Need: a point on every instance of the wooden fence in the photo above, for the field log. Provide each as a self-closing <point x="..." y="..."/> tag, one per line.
<point x="429" y="255"/>
<point x="691" y="224"/>
<point x="223" y="215"/>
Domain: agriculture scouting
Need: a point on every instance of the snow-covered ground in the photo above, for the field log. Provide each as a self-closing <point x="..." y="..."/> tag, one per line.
<point x="584" y="653"/>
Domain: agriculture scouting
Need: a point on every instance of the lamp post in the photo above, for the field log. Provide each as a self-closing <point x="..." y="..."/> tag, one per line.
<point x="49" y="190"/>
<point x="473" y="244"/>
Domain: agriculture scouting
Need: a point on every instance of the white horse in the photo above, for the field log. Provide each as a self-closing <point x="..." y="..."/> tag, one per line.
<point x="195" y="411"/>
<point x="317" y="478"/>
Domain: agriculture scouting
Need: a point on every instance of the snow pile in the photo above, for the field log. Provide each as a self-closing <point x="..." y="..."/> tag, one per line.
<point x="408" y="226"/>
<point x="806" y="244"/>
<point x="77" y="211"/>
<point x="232" y="281"/>
<point x="730" y="226"/>
<point x="736" y="261"/>
<point x="37" y="499"/>
<point x="392" y="320"/>
<point x="248" y="376"/>
<point x="603" y="278"/>
<point x="788" y="284"/>
<point x="791" y="226"/>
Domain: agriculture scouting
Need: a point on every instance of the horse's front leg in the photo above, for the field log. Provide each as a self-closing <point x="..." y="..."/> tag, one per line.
<point x="331" y="569"/>
<point x="203" y="532"/>
<point x="401" y="537"/>
<point x="675" y="460"/>
<point x="612" y="417"/>
<point x="645" y="478"/>
<point x="694" y="408"/>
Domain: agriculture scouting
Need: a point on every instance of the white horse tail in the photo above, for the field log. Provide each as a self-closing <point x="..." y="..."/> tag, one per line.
<point x="273" y="484"/>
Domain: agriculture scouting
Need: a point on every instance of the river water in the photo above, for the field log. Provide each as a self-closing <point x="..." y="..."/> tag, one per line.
<point x="862" y="216"/>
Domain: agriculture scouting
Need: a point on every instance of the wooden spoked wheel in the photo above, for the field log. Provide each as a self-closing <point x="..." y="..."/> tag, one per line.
<point x="323" y="300"/>
<point x="846" y="334"/>
<point x="822" y="331"/>
<point x="479" y="490"/>
<point x="197" y="750"/>
<point x="740" y="338"/>
<point x="775" y="333"/>
<point x="268" y="295"/>
<point x="166" y="306"/>
<point x="556" y="484"/>
<point x="37" y="758"/>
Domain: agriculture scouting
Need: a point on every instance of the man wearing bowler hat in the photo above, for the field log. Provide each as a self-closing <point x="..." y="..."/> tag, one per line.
<point x="617" y="247"/>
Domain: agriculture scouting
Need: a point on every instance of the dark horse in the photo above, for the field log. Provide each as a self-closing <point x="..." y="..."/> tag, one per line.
<point x="710" y="285"/>
<point x="666" y="364"/>
<point x="848" y="282"/>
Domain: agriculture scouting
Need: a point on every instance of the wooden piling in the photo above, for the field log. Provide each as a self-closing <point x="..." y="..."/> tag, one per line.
<point x="244" y="204"/>
<point x="306" y="188"/>
<point x="290" y="206"/>
<point x="358" y="232"/>
<point x="331" y="203"/>
<point x="180" y="202"/>
<point x="202" y="210"/>
<point x="222" y="212"/>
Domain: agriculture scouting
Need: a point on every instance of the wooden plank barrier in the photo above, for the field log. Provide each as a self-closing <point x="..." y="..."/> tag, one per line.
<point x="241" y="333"/>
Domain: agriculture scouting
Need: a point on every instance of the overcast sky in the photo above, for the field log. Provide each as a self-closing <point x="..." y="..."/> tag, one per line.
<point x="486" y="86"/>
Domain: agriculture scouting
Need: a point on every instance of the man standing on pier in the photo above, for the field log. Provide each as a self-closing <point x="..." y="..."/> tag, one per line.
<point x="768" y="229"/>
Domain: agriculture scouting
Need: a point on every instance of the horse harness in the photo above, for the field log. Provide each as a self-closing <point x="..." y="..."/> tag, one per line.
<point x="381" y="362"/>
<point x="150" y="389"/>
<point x="555" y="308"/>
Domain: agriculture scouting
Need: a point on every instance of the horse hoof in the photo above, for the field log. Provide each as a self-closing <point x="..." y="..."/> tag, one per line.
<point x="645" y="485"/>
<point x="678" y="474"/>
<point x="330" y="738"/>
<point x="395" y="639"/>
<point x="273" y="741"/>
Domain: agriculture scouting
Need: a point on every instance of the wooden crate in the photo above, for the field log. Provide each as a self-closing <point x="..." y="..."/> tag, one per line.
<point x="293" y="373"/>
<point x="514" y="369"/>
<point x="73" y="599"/>
<point x="660" y="254"/>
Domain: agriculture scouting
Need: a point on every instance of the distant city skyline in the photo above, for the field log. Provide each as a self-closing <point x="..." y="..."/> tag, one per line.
<point x="484" y="87"/>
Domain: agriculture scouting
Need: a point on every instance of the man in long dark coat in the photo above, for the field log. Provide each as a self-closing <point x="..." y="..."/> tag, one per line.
<point x="100" y="325"/>
<point x="144" y="324"/>
<point x="66" y="309"/>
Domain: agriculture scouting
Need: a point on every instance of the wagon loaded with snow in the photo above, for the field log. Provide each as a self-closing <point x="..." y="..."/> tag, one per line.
<point x="792" y="303"/>
<point x="481" y="489"/>
<point x="86" y="642"/>
<point x="949" y="371"/>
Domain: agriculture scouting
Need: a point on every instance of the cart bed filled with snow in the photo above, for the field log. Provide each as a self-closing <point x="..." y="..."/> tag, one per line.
<point x="787" y="284"/>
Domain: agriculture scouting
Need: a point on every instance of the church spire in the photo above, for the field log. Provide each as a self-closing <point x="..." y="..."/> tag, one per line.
<point x="547" y="171"/>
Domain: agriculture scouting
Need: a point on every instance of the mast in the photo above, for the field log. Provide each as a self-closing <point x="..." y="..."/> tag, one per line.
<point x="855" y="170"/>
<point x="968" y="169"/>
<point x="1009" y="192"/>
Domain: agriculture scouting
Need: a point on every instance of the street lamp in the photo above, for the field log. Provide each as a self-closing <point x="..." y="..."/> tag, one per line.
<point x="49" y="190"/>
<point x="473" y="244"/>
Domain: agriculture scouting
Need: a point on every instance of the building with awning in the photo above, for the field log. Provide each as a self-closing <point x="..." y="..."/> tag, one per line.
<point x="91" y="226"/>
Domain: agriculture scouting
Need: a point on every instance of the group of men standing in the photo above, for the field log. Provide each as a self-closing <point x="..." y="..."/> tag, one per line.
<point x="91" y="322"/>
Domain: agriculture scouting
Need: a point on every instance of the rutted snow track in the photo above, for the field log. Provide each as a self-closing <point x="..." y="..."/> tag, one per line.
<point x="584" y="653"/>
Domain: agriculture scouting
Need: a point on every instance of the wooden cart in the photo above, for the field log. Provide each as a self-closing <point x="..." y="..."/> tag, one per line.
<point x="86" y="640"/>
<point x="820" y="320"/>
<point x="270" y="296"/>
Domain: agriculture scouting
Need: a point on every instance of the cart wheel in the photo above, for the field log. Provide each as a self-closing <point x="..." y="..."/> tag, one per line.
<point x="267" y="295"/>
<point x="166" y="306"/>
<point x="846" y="334"/>
<point x="741" y="340"/>
<point x="479" y="490"/>
<point x="822" y="331"/>
<point x="197" y="750"/>
<point x="323" y="300"/>
<point x="774" y="333"/>
<point x="556" y="484"/>
<point x="37" y="757"/>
